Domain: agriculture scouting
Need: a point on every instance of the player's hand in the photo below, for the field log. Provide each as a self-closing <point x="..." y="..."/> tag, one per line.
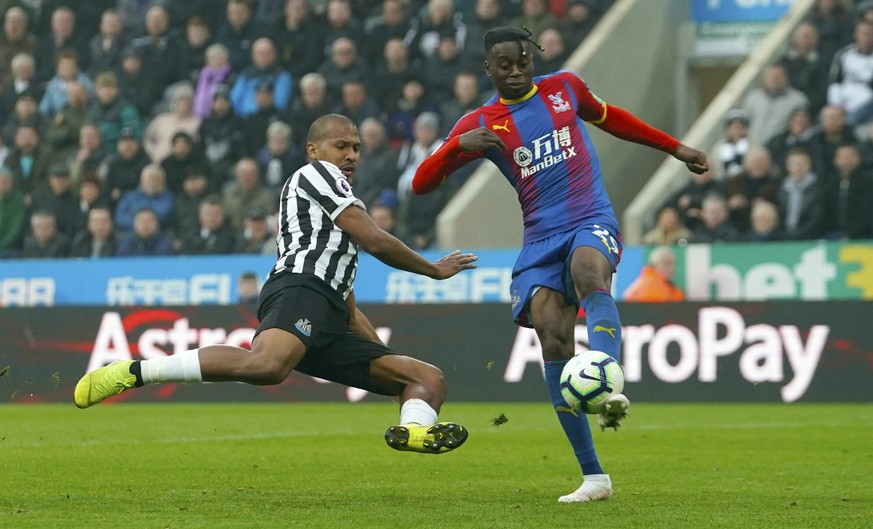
<point x="479" y="140"/>
<point x="694" y="159"/>
<point x="453" y="263"/>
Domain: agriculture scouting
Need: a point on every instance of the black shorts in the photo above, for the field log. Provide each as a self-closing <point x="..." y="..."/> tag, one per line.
<point x="306" y="307"/>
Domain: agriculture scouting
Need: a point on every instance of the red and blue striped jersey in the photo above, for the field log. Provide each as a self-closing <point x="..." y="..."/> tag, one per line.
<point x="549" y="158"/>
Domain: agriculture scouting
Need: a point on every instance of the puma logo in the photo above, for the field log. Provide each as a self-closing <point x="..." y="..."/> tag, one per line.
<point x="505" y="126"/>
<point x="610" y="330"/>
<point x="571" y="411"/>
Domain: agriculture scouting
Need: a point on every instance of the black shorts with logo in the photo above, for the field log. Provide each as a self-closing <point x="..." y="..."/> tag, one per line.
<point x="307" y="307"/>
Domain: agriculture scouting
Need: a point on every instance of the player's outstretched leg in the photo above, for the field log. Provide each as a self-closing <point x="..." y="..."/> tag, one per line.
<point x="439" y="438"/>
<point x="105" y="382"/>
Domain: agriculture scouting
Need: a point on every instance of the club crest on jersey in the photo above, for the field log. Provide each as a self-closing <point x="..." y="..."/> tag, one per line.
<point x="558" y="103"/>
<point x="304" y="326"/>
<point x="522" y="156"/>
<point x="342" y="185"/>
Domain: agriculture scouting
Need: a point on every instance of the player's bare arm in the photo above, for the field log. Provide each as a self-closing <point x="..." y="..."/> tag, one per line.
<point x="695" y="160"/>
<point x="391" y="251"/>
<point x="358" y="323"/>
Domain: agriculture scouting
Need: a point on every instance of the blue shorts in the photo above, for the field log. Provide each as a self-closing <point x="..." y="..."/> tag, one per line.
<point x="546" y="263"/>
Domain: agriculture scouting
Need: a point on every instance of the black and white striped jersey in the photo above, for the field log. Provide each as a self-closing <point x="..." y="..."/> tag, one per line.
<point x="308" y="240"/>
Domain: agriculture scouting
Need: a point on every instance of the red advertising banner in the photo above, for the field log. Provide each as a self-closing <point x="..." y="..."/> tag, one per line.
<point x="742" y="352"/>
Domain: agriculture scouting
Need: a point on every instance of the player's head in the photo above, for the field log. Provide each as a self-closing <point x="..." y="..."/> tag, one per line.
<point x="509" y="61"/>
<point x="334" y="138"/>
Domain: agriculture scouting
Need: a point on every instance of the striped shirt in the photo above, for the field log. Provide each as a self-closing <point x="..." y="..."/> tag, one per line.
<point x="308" y="240"/>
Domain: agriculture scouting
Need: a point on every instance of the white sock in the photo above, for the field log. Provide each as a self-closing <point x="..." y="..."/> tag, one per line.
<point x="182" y="367"/>
<point x="417" y="411"/>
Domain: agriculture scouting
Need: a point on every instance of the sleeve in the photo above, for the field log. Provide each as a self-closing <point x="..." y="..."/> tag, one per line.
<point x="447" y="159"/>
<point x="615" y="120"/>
<point x="325" y="185"/>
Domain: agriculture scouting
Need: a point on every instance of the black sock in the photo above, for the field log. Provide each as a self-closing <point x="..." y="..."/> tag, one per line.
<point x="136" y="371"/>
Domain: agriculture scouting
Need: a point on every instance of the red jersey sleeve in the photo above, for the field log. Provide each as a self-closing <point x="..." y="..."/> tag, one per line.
<point x="617" y="121"/>
<point x="447" y="159"/>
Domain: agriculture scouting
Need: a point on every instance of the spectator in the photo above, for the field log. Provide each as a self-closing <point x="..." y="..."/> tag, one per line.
<point x="377" y="166"/>
<point x="136" y="84"/>
<point x="28" y="160"/>
<point x="655" y="282"/>
<point x="299" y="39"/>
<point x="152" y="194"/>
<point x="487" y="14"/>
<point x="62" y="40"/>
<point x="256" y="237"/>
<point x="59" y="198"/>
<point x="264" y="71"/>
<point x="159" y="133"/>
<point x="311" y="104"/>
<point x="402" y="113"/>
<point x="440" y="69"/>
<point x="465" y="91"/>
<point x="341" y="24"/>
<point x="727" y="160"/>
<point x="344" y="65"/>
<point x="279" y="158"/>
<point x="184" y="158"/>
<point x="62" y="135"/>
<point x="536" y="17"/>
<point x="668" y="230"/>
<point x="832" y="131"/>
<point x="158" y="49"/>
<point x="758" y="181"/>
<point x="13" y="215"/>
<point x="439" y="19"/>
<point x="799" y="133"/>
<point x="248" y="289"/>
<point x="146" y="239"/>
<point x="383" y="217"/>
<point x="393" y="23"/>
<point x="90" y="154"/>
<point x="254" y="127"/>
<point x="193" y="53"/>
<point x="800" y="199"/>
<point x="765" y="223"/>
<point x="211" y="76"/>
<point x="24" y="113"/>
<point x="770" y="104"/>
<point x="715" y="225"/>
<point x="214" y="236"/>
<point x="98" y="238"/>
<point x="848" y="197"/>
<point x="418" y="213"/>
<point x="55" y="97"/>
<point x="851" y="77"/>
<point x="122" y="169"/>
<point x="104" y="48"/>
<point x="806" y="69"/>
<point x="554" y="54"/>
<point x="246" y="192"/>
<point x="23" y="80"/>
<point x="238" y="32"/>
<point x="110" y="111"/>
<point x="44" y="240"/>
<point x="394" y="68"/>
<point x="16" y="39"/>
<point x="221" y="136"/>
<point x="581" y="18"/>
<point x="90" y="195"/>
<point x="834" y="24"/>
<point x="186" y="216"/>
<point x="356" y="104"/>
<point x="689" y="200"/>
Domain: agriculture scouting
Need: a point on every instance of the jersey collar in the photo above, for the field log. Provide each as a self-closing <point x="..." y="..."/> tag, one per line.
<point x="525" y="97"/>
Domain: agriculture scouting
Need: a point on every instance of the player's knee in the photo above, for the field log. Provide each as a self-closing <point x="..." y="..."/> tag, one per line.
<point x="587" y="280"/>
<point x="432" y="379"/>
<point x="269" y="370"/>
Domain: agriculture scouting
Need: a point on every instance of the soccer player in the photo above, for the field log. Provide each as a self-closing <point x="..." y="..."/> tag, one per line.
<point x="307" y="313"/>
<point x="533" y="131"/>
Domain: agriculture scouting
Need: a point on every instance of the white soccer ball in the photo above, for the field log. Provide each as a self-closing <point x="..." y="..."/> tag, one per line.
<point x="589" y="379"/>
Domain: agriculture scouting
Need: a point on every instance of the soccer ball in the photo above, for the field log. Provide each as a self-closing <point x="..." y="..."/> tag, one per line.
<point x="589" y="379"/>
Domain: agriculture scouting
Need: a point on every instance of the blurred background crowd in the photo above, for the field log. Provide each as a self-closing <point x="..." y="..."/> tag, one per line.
<point x="155" y="127"/>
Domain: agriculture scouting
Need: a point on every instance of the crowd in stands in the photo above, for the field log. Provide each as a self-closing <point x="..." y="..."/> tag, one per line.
<point x="162" y="127"/>
<point x="796" y="158"/>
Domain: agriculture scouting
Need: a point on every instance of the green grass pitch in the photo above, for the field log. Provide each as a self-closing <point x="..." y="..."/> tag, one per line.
<point x="326" y="465"/>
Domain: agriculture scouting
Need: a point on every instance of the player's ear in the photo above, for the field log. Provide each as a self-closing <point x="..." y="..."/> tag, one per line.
<point x="312" y="151"/>
<point x="487" y="68"/>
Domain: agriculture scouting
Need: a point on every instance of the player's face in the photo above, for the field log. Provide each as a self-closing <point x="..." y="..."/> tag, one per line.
<point x="341" y="147"/>
<point x="510" y="67"/>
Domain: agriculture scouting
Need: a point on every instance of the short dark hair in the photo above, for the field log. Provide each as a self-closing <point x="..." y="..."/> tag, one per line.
<point x="318" y="129"/>
<point x="508" y="34"/>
